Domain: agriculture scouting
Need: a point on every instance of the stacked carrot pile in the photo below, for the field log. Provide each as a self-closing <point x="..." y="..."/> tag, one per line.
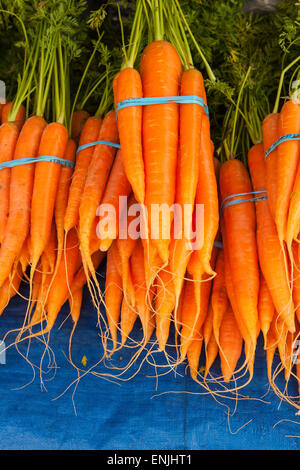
<point x="220" y="266"/>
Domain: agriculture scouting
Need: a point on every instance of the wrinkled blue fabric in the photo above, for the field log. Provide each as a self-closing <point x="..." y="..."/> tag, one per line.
<point x="128" y="415"/>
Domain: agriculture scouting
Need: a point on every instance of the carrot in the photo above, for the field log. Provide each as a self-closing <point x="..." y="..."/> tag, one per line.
<point x="249" y="347"/>
<point x="90" y="133"/>
<point x="193" y="318"/>
<point x="46" y="179"/>
<point x="8" y="138"/>
<point x="270" y="134"/>
<point x="296" y="280"/>
<point x="219" y="299"/>
<point x="94" y="187"/>
<point x="189" y="147"/>
<point x="20" y="116"/>
<point x="128" y="318"/>
<point x="142" y="303"/>
<point x="160" y="70"/>
<point x="188" y="315"/>
<point x="117" y="187"/>
<point x="127" y="85"/>
<point x="50" y="251"/>
<point x="293" y="221"/>
<point x="265" y="308"/>
<point x="75" y="303"/>
<point x="21" y="184"/>
<point x="164" y="305"/>
<point x="271" y="257"/>
<point x="270" y="350"/>
<point x="289" y="123"/>
<point x="113" y="297"/>
<point x="231" y="343"/>
<point x="61" y="201"/>
<point x="78" y="121"/>
<point x="179" y="260"/>
<point x="126" y="244"/>
<point x="211" y="352"/>
<point x="80" y="276"/>
<point x="25" y="254"/>
<point x="207" y="194"/>
<point x="208" y="324"/>
<point x="239" y="228"/>
<point x="194" y="353"/>
<point x="187" y="173"/>
<point x="60" y="287"/>
<point x="10" y="287"/>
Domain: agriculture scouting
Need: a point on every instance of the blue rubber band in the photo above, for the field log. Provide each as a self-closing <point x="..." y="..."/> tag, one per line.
<point x="98" y="142"/>
<point x="281" y="139"/>
<point x="188" y="99"/>
<point x="239" y="201"/>
<point x="44" y="158"/>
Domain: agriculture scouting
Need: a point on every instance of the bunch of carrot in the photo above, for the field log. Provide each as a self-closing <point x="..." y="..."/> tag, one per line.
<point x="59" y="221"/>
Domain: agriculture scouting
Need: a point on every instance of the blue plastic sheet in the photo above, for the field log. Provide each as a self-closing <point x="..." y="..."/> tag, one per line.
<point x="147" y="412"/>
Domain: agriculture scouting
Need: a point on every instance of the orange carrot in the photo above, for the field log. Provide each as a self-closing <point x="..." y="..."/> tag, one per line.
<point x="128" y="84"/>
<point x="289" y="123"/>
<point x="193" y="354"/>
<point x="21" y="184"/>
<point x="231" y="343"/>
<point x="164" y="305"/>
<point x="193" y="318"/>
<point x="90" y="133"/>
<point x="126" y="243"/>
<point x="239" y="228"/>
<point x="265" y="308"/>
<point x="293" y="221"/>
<point x="271" y="257"/>
<point x="80" y="277"/>
<point x="160" y="70"/>
<point x="94" y="187"/>
<point x="249" y="347"/>
<point x="189" y="147"/>
<point x="10" y="287"/>
<point x="296" y="280"/>
<point x="219" y="299"/>
<point x="128" y="318"/>
<point x="142" y="303"/>
<point x="46" y="178"/>
<point x="8" y="138"/>
<point x="61" y="201"/>
<point x="60" y="287"/>
<point x="113" y="297"/>
<point x="20" y="117"/>
<point x="117" y="190"/>
<point x="78" y="121"/>
<point x="211" y="352"/>
<point x="270" y="135"/>
<point x="207" y="194"/>
<point x="75" y="303"/>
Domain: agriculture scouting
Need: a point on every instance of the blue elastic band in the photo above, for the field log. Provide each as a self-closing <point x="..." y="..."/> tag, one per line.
<point x="189" y="99"/>
<point x="98" y="142"/>
<point x="239" y="201"/>
<point x="281" y="139"/>
<point x="44" y="158"/>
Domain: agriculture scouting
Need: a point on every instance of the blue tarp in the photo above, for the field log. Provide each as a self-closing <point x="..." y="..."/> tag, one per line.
<point x="146" y="412"/>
